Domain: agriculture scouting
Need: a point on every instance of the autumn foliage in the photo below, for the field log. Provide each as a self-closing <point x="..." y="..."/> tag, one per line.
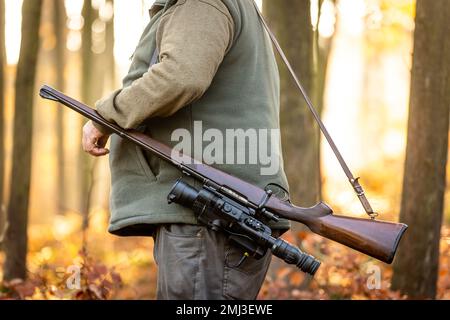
<point x="118" y="268"/>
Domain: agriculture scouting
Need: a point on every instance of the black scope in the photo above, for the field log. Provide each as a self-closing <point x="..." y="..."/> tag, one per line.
<point x="183" y="194"/>
<point x="187" y="196"/>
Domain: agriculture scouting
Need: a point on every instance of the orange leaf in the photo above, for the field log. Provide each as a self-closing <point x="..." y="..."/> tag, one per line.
<point x="296" y="279"/>
<point x="283" y="272"/>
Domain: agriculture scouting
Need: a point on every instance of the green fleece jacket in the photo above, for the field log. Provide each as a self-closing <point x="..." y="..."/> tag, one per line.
<point x="216" y="72"/>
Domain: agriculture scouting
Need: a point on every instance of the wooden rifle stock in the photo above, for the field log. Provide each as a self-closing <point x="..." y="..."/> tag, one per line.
<point x="378" y="239"/>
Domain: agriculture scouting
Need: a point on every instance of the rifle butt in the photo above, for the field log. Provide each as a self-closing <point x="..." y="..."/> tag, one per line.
<point x="378" y="239"/>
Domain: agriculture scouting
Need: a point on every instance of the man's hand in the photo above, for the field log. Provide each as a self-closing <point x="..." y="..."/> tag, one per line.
<point x="94" y="141"/>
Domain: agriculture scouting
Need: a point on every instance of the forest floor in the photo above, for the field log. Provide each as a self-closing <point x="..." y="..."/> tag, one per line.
<point x="123" y="268"/>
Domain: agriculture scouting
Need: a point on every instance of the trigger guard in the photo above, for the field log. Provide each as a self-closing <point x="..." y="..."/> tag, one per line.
<point x="282" y="194"/>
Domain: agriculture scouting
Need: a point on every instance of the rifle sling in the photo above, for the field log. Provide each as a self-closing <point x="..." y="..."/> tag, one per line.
<point x="353" y="181"/>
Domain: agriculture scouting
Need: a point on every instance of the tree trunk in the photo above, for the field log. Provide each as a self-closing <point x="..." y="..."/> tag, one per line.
<point x="291" y="22"/>
<point x="322" y="50"/>
<point x="17" y="214"/>
<point x="416" y="266"/>
<point x="88" y="97"/>
<point x="110" y="61"/>
<point x="2" y="115"/>
<point x="59" y="25"/>
<point x="88" y="85"/>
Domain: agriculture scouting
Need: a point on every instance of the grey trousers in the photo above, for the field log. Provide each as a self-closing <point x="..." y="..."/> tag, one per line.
<point x="196" y="263"/>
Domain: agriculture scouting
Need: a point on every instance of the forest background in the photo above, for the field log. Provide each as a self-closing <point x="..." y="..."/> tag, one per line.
<point x="378" y="71"/>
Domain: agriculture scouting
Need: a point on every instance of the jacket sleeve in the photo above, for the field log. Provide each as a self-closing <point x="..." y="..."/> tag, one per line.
<point x="193" y="38"/>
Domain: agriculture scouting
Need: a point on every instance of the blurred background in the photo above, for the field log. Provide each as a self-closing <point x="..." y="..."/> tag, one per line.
<point x="355" y="59"/>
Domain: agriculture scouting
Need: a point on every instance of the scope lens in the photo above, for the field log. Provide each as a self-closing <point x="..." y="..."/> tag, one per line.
<point x="308" y="263"/>
<point x="183" y="194"/>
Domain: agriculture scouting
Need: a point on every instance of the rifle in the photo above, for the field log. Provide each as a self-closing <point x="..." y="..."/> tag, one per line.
<point x="230" y="199"/>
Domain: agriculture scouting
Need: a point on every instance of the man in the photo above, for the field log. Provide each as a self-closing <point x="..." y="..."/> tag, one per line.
<point x="199" y="62"/>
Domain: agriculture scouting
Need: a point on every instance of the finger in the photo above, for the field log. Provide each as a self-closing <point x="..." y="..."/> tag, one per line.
<point x="99" y="148"/>
<point x="90" y="144"/>
<point x="102" y="141"/>
<point x="99" y="152"/>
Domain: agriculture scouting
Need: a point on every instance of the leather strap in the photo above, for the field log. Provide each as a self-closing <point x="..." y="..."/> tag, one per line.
<point x="353" y="181"/>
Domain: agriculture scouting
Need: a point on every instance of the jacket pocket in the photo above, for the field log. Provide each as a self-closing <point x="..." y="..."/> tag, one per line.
<point x="142" y="162"/>
<point x="183" y="230"/>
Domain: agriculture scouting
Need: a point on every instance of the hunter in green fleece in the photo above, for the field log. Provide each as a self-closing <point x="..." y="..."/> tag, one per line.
<point x="215" y="67"/>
